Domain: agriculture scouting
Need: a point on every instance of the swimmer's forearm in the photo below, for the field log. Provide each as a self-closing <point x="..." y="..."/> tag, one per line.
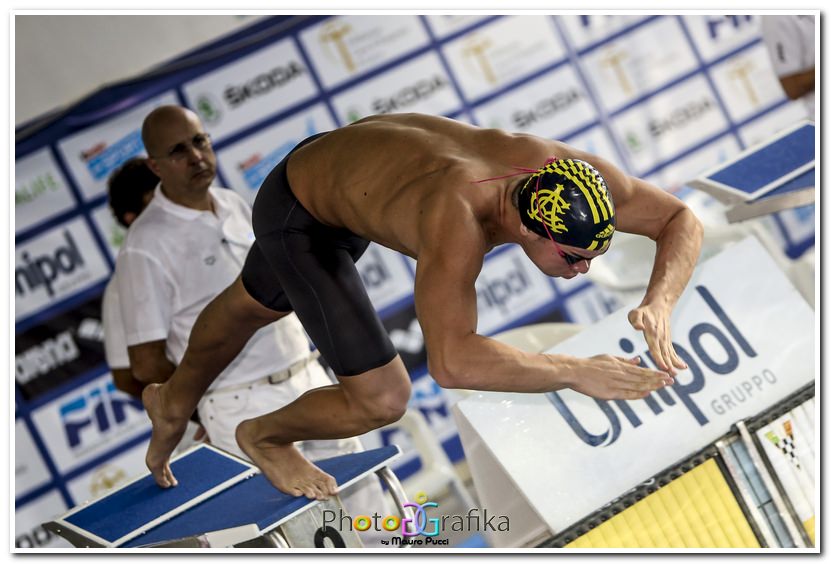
<point x="677" y="251"/>
<point x="480" y="363"/>
<point x="487" y="365"/>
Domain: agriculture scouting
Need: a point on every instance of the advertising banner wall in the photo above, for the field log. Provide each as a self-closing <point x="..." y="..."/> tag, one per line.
<point x="246" y="163"/>
<point x="244" y="92"/>
<point x="93" y="154"/>
<point x="30" y="471"/>
<point x="88" y="421"/>
<point x="40" y="191"/>
<point x="421" y="86"/>
<point x="345" y="47"/>
<point x="56" y="265"/>
<point x="51" y="354"/>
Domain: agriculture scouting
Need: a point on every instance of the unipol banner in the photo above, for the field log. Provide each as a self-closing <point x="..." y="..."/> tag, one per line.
<point x="55" y="265"/>
<point x="747" y="336"/>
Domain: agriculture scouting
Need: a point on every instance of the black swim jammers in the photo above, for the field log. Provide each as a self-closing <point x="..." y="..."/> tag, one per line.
<point x="299" y="264"/>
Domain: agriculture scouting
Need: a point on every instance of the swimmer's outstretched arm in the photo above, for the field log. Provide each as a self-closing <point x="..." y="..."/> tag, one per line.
<point x="458" y="357"/>
<point x="645" y="209"/>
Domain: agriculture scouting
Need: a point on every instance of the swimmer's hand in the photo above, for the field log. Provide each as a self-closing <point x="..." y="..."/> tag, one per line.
<point x="610" y="377"/>
<point x="653" y="320"/>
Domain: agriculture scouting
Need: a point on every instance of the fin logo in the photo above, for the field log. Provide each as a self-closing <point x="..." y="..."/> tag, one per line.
<point x="720" y="26"/>
<point x="96" y="413"/>
<point x="726" y="337"/>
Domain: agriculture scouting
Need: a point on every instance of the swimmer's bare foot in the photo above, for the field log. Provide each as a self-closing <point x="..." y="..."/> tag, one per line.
<point x="284" y="466"/>
<point x="167" y="432"/>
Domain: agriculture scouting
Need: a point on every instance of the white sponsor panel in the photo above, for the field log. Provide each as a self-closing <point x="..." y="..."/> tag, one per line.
<point x="716" y="36"/>
<point x="30" y="471"/>
<point x="799" y="223"/>
<point x="55" y="265"/>
<point x="509" y="287"/>
<point x="587" y="29"/>
<point x="590" y="305"/>
<point x="250" y="89"/>
<point x="385" y="276"/>
<point x="635" y="64"/>
<point x="28" y="532"/>
<point x="597" y="142"/>
<point x="88" y="421"/>
<point x="674" y="176"/>
<point x="493" y="55"/>
<point x="110" y="230"/>
<point x="246" y="163"/>
<point x="434" y="403"/>
<point x="448" y="24"/>
<point x="763" y="128"/>
<point x="345" y="47"/>
<point x="110" y="475"/>
<point x="669" y="123"/>
<point x="550" y="106"/>
<point x="746" y="83"/>
<point x="40" y="190"/>
<point x="93" y="154"/>
<point x="741" y="329"/>
<point x="419" y="86"/>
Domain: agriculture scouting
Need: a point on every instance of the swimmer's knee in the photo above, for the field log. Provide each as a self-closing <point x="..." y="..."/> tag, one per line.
<point x="387" y="402"/>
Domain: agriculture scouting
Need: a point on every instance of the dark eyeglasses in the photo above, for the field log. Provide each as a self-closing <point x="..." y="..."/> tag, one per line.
<point x="569" y="258"/>
<point x="200" y="142"/>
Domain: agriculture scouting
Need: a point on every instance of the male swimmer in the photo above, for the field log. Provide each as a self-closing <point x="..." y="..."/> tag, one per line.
<point x="413" y="183"/>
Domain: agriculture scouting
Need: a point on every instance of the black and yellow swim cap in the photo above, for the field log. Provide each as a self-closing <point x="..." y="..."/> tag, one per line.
<point x="568" y="201"/>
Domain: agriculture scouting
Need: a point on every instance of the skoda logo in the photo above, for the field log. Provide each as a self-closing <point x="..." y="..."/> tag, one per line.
<point x="208" y="109"/>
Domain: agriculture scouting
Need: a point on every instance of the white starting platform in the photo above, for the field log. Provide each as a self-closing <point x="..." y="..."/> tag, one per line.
<point x="776" y="175"/>
<point x="222" y="501"/>
<point x="551" y="460"/>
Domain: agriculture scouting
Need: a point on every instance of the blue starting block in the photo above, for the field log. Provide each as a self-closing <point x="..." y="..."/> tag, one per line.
<point x="222" y="501"/>
<point x="769" y="177"/>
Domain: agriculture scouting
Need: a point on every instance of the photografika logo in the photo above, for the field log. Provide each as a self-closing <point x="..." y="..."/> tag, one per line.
<point x="424" y="520"/>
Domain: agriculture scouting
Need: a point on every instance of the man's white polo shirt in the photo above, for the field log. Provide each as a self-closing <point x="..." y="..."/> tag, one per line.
<point x="174" y="261"/>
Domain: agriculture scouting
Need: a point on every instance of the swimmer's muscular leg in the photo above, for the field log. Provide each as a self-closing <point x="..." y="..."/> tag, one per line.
<point x="356" y="405"/>
<point x="219" y="334"/>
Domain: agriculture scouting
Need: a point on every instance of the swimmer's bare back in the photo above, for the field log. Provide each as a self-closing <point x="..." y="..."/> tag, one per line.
<point x="380" y="176"/>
